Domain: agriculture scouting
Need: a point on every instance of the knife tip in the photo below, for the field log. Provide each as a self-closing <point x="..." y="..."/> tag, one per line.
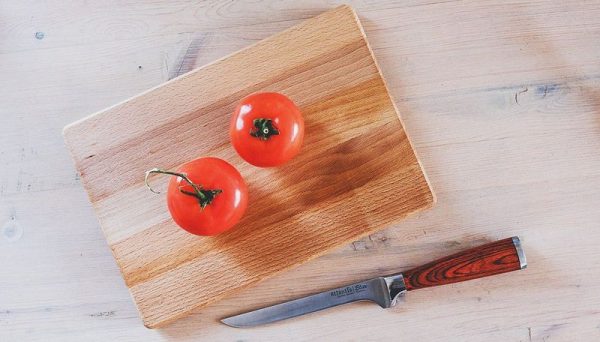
<point x="230" y="322"/>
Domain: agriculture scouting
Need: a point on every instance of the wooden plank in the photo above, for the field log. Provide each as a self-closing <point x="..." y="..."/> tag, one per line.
<point x="499" y="168"/>
<point x="357" y="173"/>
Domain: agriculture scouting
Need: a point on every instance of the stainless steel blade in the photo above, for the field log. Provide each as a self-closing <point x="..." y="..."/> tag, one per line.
<point x="376" y="290"/>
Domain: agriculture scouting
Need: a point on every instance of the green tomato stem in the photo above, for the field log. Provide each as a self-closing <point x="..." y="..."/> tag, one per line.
<point x="205" y="197"/>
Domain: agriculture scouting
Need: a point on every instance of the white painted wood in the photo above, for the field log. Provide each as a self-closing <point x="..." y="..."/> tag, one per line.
<point x="456" y="70"/>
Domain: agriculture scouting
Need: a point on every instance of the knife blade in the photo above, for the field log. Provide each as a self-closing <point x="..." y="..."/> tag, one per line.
<point x="493" y="258"/>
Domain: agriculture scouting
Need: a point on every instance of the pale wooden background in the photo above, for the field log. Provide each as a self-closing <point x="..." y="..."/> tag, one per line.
<point x="501" y="100"/>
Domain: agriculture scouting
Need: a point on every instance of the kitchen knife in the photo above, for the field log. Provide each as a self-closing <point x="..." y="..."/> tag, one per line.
<point x="490" y="259"/>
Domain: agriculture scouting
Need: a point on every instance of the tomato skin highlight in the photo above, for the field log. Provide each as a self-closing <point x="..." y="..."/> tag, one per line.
<point x="276" y="149"/>
<point x="223" y="212"/>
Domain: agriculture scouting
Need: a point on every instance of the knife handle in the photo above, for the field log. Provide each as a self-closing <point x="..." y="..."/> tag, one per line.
<point x="493" y="258"/>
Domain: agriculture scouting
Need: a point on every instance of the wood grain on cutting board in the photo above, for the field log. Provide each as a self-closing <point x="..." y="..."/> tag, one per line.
<point x="357" y="172"/>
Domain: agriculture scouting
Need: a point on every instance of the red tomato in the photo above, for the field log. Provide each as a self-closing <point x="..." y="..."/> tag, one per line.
<point x="267" y="129"/>
<point x="206" y="196"/>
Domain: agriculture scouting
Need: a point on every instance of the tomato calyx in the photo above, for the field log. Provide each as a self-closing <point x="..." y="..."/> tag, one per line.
<point x="263" y="129"/>
<point x="204" y="196"/>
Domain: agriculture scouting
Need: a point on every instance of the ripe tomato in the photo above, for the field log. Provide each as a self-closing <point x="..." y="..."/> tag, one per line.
<point x="206" y="196"/>
<point x="267" y="129"/>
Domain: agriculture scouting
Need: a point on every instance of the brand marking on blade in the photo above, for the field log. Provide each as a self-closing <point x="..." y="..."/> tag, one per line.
<point x="349" y="290"/>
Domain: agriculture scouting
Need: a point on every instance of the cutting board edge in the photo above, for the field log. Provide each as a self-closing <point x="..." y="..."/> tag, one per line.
<point x="69" y="127"/>
<point x="392" y="100"/>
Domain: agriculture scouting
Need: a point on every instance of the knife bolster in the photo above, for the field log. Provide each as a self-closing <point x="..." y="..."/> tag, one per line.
<point x="396" y="287"/>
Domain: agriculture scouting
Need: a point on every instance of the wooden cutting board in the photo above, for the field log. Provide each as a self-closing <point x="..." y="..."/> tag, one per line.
<point x="357" y="172"/>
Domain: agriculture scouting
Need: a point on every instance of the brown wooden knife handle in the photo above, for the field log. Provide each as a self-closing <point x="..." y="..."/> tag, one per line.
<point x="493" y="258"/>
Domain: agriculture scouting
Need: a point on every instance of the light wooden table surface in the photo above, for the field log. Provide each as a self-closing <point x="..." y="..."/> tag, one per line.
<point x="501" y="100"/>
